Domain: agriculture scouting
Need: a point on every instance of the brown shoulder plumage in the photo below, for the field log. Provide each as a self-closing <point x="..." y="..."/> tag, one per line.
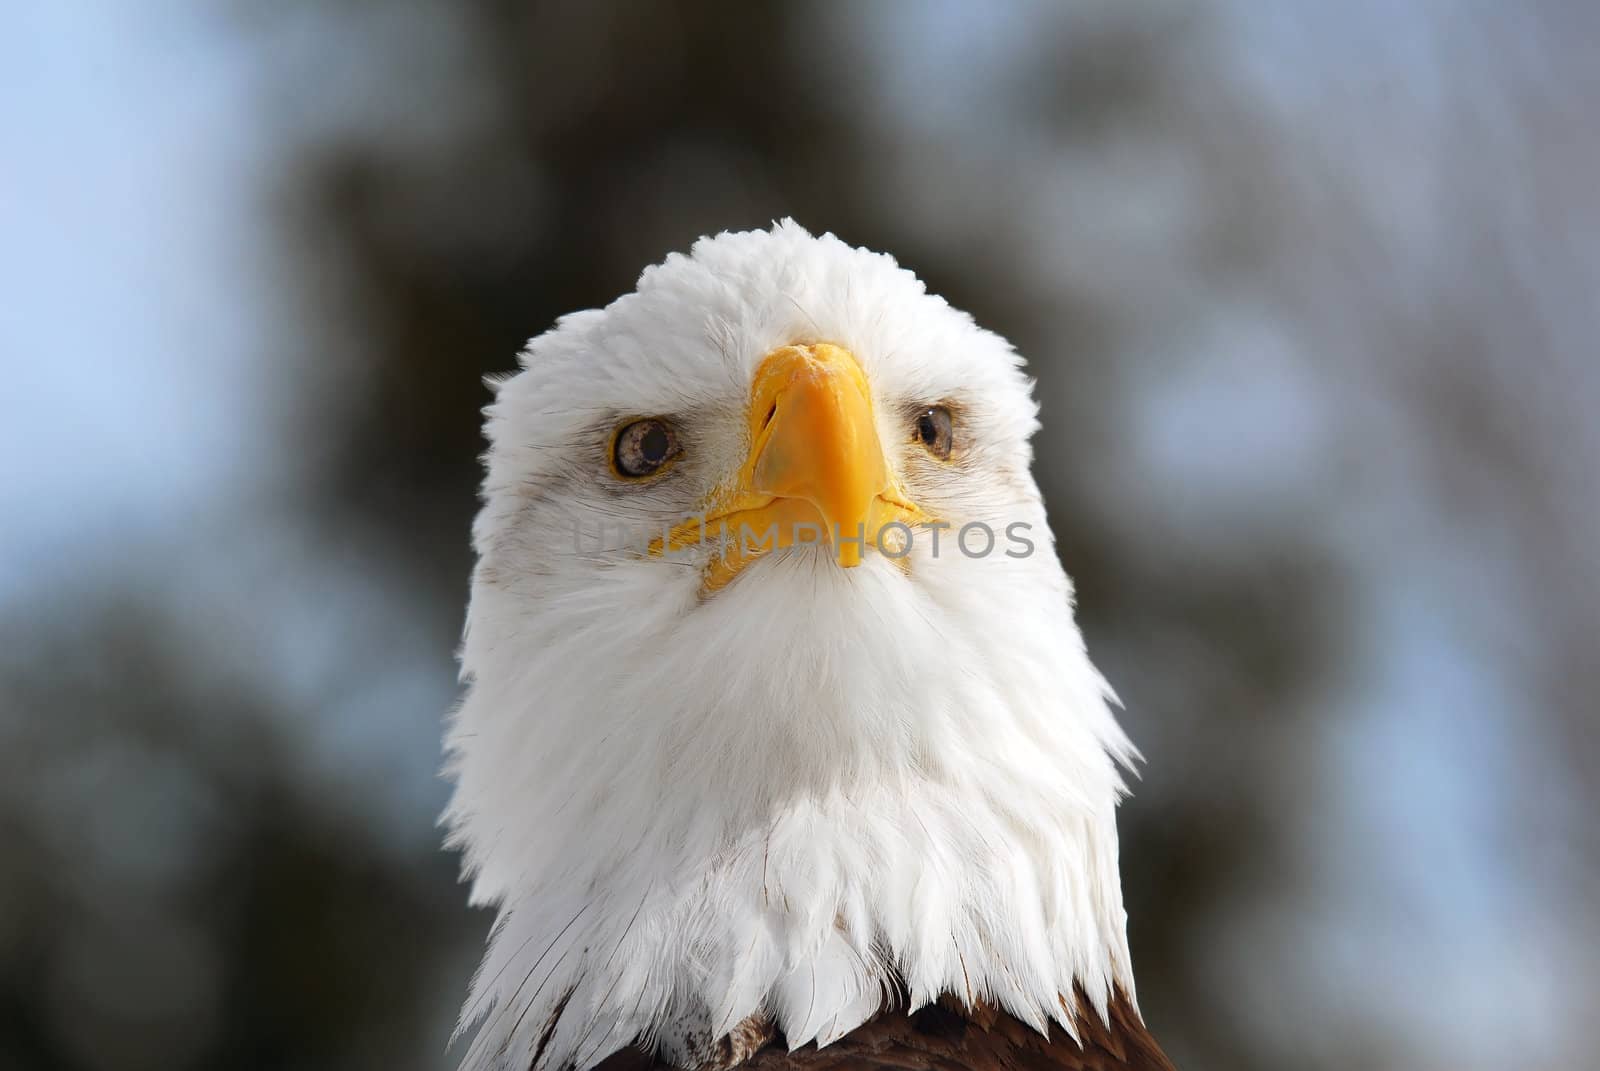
<point x="949" y="1037"/>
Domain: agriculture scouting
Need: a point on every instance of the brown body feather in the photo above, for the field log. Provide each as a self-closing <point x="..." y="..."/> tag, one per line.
<point x="946" y="1037"/>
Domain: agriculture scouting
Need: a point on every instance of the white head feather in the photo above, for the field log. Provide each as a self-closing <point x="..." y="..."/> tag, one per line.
<point x="772" y="801"/>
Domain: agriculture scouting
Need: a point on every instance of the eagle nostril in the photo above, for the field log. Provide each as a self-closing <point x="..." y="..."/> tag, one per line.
<point x="772" y="412"/>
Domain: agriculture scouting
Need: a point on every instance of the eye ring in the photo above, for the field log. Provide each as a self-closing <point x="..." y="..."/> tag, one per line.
<point x="642" y="448"/>
<point x="934" y="428"/>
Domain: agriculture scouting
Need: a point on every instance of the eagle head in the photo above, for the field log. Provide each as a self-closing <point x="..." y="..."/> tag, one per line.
<point x="776" y="712"/>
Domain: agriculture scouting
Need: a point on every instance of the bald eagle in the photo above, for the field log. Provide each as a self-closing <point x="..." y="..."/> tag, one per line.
<point x="780" y="746"/>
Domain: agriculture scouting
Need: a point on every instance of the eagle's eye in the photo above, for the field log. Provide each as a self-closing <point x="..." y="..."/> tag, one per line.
<point x="643" y="448"/>
<point x="934" y="431"/>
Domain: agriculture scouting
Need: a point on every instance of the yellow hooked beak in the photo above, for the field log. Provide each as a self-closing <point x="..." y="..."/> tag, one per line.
<point x="816" y="472"/>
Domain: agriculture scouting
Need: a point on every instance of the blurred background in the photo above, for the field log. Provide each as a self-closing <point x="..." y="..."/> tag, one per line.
<point x="1310" y="292"/>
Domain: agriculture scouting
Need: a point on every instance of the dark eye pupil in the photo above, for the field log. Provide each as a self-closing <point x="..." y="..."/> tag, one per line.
<point x="653" y="447"/>
<point x="933" y="431"/>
